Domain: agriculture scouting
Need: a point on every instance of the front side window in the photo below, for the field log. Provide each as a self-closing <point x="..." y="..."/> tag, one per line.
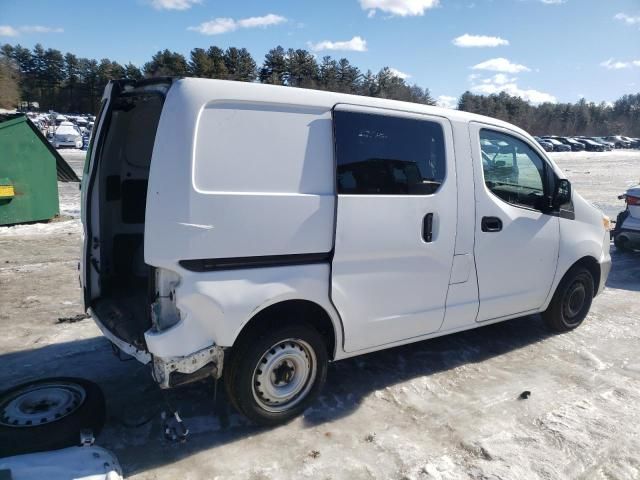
<point x="386" y="155"/>
<point x="513" y="171"/>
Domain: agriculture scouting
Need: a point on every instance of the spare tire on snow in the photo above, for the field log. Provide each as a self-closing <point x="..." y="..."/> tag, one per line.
<point x="48" y="414"/>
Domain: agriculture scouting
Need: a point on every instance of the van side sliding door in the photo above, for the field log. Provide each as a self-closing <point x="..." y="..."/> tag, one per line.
<point x="395" y="224"/>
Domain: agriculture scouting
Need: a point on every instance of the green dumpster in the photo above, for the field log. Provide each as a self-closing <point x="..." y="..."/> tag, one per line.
<point x="29" y="170"/>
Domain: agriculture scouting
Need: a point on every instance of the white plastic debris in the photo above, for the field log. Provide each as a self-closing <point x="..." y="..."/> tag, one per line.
<point x="77" y="463"/>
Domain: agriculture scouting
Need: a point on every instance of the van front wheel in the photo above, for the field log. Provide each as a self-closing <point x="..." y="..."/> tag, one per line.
<point x="571" y="302"/>
<point x="273" y="376"/>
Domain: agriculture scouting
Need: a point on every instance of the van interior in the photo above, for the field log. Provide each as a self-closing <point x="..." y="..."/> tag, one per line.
<point x="121" y="164"/>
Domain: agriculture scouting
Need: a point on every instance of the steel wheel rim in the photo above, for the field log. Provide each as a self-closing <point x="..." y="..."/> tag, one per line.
<point x="574" y="300"/>
<point x="284" y="375"/>
<point x="40" y="404"/>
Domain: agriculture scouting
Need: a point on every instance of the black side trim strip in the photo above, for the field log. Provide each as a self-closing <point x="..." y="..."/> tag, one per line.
<point x="235" y="263"/>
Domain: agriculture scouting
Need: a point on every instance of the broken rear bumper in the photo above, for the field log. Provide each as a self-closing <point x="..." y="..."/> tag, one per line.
<point x="172" y="371"/>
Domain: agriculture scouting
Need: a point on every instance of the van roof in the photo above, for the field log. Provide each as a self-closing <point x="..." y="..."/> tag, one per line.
<point x="212" y="89"/>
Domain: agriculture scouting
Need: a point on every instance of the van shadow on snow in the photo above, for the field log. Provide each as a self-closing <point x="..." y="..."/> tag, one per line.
<point x="134" y="428"/>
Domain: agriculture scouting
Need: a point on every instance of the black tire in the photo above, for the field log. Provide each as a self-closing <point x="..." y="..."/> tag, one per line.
<point x="18" y="432"/>
<point x="621" y="243"/>
<point x="571" y="301"/>
<point x="242" y="368"/>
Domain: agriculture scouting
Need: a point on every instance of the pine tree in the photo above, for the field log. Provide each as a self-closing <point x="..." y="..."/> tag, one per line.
<point x="274" y="68"/>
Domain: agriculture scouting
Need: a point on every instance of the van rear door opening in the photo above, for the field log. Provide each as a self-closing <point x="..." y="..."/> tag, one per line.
<point x="115" y="207"/>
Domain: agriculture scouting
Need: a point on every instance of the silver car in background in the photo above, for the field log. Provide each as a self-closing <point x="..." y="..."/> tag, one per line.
<point x="67" y="135"/>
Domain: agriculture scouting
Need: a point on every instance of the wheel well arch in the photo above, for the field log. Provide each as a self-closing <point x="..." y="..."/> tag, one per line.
<point x="590" y="264"/>
<point x="285" y="312"/>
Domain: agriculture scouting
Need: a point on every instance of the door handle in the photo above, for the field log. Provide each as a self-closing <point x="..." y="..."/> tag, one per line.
<point x="427" y="228"/>
<point x="491" y="224"/>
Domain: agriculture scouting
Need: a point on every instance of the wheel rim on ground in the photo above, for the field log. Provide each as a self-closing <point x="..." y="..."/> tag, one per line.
<point x="574" y="302"/>
<point x="40" y="404"/>
<point x="284" y="375"/>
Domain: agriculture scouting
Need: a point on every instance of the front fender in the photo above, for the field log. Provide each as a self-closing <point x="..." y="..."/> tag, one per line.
<point x="583" y="236"/>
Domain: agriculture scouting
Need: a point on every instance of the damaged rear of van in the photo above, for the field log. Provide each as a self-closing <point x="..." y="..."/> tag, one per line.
<point x="178" y="206"/>
<point x="255" y="232"/>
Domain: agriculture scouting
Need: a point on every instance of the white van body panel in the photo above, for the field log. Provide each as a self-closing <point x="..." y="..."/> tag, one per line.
<point x="238" y="198"/>
<point x="516" y="265"/>
<point x="215" y="306"/>
<point x="462" y="297"/>
<point x="388" y="283"/>
<point x="242" y="171"/>
<point x="582" y="237"/>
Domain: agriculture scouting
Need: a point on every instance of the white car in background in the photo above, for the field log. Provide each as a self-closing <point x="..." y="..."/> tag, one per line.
<point x="67" y="135"/>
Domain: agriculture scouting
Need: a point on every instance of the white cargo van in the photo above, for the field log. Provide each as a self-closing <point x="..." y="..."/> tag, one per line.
<point x="255" y="232"/>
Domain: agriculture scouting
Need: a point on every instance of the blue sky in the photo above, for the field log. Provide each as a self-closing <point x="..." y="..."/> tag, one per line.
<point x="556" y="50"/>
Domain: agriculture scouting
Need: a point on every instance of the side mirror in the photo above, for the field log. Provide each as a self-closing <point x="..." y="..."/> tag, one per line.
<point x="562" y="193"/>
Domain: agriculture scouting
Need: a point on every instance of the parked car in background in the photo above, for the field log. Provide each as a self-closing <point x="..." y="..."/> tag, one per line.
<point x="626" y="234"/>
<point x="591" y="145"/>
<point x="618" y="141"/>
<point x="59" y="119"/>
<point x="558" y="146"/>
<point x="545" y="144"/>
<point x="607" y="144"/>
<point x="633" y="142"/>
<point x="67" y="135"/>
<point x="574" y="144"/>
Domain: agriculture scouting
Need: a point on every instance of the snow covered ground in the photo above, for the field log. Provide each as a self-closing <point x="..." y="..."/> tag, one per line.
<point x="441" y="409"/>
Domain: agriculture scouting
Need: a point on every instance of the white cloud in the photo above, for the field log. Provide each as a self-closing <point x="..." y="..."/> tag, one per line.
<point x="356" y="44"/>
<point x="628" y="19"/>
<point x="447" y="101"/>
<point x="613" y="64"/>
<point x="40" y="29"/>
<point x="553" y="2"/>
<point x="399" y="74"/>
<point x="9" y="31"/>
<point x="401" y="8"/>
<point x="265" y="21"/>
<point x="468" y="41"/>
<point x="501" y="82"/>
<point x="501" y="65"/>
<point x="530" y="95"/>
<point x="174" y="4"/>
<point x="218" y="26"/>
<point x="499" y="79"/>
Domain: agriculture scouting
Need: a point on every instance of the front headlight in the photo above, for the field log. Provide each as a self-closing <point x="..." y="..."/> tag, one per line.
<point x="606" y="223"/>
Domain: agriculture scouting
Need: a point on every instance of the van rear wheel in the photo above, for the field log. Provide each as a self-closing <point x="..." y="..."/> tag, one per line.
<point x="571" y="302"/>
<point x="274" y="375"/>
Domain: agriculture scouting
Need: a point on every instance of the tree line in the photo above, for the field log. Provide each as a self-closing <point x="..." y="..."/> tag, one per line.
<point x="64" y="82"/>
<point x="580" y="118"/>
